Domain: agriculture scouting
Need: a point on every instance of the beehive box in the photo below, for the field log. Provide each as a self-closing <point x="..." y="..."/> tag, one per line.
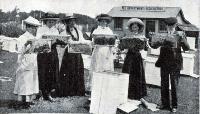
<point x="131" y="42"/>
<point x="101" y="39"/>
<point x="109" y="90"/>
<point x="80" y="48"/>
<point x="162" y="39"/>
<point x="53" y="38"/>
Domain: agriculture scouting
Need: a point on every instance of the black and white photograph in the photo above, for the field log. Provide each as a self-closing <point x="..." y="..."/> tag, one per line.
<point x="100" y="56"/>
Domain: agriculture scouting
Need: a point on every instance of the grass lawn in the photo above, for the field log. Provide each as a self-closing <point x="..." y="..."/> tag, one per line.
<point x="188" y="94"/>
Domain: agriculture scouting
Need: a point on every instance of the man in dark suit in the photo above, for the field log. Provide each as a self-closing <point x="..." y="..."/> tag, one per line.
<point x="170" y="62"/>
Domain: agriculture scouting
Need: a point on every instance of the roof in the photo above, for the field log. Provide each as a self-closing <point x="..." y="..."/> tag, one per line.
<point x="188" y="27"/>
<point x="146" y="12"/>
<point x="32" y="21"/>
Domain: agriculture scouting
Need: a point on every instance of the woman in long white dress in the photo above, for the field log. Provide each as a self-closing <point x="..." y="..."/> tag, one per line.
<point x="102" y="56"/>
<point x="26" y="83"/>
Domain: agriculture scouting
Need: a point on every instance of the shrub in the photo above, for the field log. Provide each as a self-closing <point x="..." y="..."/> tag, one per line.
<point x="10" y="30"/>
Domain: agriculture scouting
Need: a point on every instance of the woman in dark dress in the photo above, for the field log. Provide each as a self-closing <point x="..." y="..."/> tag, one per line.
<point x="68" y="67"/>
<point x="133" y="63"/>
<point x="67" y="71"/>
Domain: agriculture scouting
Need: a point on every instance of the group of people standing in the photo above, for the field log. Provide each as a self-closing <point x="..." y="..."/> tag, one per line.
<point x="62" y="73"/>
<point x="52" y="71"/>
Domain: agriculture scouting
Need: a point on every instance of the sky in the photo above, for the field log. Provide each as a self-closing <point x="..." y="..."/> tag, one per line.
<point x="191" y="8"/>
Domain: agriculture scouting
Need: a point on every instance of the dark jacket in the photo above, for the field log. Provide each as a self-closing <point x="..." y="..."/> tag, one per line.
<point x="70" y="78"/>
<point x="171" y="58"/>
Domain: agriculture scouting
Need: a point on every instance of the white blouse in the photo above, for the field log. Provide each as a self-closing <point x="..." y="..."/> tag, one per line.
<point x="44" y="30"/>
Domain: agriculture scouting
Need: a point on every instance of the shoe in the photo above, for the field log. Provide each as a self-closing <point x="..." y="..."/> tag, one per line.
<point x="53" y="90"/>
<point x="88" y="93"/>
<point x="38" y="96"/>
<point x="25" y="105"/>
<point x="31" y="103"/>
<point x="162" y="107"/>
<point x="174" y="110"/>
<point x="49" y="98"/>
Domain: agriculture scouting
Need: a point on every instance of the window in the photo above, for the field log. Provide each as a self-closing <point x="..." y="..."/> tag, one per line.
<point x="150" y="27"/>
<point x="196" y="43"/>
<point x="162" y="27"/>
<point x="118" y="24"/>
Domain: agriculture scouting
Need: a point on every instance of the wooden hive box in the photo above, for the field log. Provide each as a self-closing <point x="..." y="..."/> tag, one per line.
<point x="80" y="48"/>
<point x="131" y="42"/>
<point x="161" y="38"/>
<point x="109" y="90"/>
<point x="102" y="39"/>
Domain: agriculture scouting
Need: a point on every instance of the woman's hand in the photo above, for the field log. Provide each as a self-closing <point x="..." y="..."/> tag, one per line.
<point x="184" y="43"/>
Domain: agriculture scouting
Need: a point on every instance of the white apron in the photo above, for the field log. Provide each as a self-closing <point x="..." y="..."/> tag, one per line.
<point x="27" y="75"/>
<point x="102" y="57"/>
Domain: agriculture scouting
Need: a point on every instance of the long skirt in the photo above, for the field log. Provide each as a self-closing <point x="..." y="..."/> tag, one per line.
<point x="102" y="60"/>
<point x="27" y="76"/>
<point x="71" y="78"/>
<point x="46" y="81"/>
<point x="133" y="65"/>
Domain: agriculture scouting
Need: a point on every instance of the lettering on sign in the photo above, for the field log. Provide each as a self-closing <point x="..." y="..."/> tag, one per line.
<point x="138" y="8"/>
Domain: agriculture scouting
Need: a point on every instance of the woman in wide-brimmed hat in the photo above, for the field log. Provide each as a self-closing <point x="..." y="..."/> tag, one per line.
<point x="133" y="63"/>
<point x="71" y="71"/>
<point x="45" y="79"/>
<point x="102" y="56"/>
<point x="138" y="22"/>
<point x="49" y="20"/>
<point x="26" y="83"/>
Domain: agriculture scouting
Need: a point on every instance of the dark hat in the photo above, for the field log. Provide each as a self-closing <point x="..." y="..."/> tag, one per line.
<point x="67" y="17"/>
<point x="170" y="21"/>
<point x="137" y="21"/>
<point x="50" y="16"/>
<point x="104" y="17"/>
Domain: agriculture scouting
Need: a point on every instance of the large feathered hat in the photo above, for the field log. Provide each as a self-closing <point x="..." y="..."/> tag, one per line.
<point x="137" y="21"/>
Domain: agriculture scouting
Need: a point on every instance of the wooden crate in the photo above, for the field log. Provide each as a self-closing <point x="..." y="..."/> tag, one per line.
<point x="101" y="39"/>
<point x="131" y="42"/>
<point x="109" y="90"/>
<point x="53" y="38"/>
<point x="80" y="48"/>
<point x="152" y="73"/>
<point x="161" y="38"/>
<point x="188" y="64"/>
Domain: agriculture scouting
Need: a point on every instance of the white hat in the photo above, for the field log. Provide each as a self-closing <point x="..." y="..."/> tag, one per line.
<point x="32" y="21"/>
<point x="137" y="21"/>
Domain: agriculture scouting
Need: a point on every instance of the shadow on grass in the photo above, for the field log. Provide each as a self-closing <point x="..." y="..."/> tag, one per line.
<point x="10" y="104"/>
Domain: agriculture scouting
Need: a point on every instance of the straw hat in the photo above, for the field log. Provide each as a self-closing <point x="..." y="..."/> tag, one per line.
<point x="50" y="16"/>
<point x="32" y="21"/>
<point x="137" y="21"/>
<point x="104" y="17"/>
